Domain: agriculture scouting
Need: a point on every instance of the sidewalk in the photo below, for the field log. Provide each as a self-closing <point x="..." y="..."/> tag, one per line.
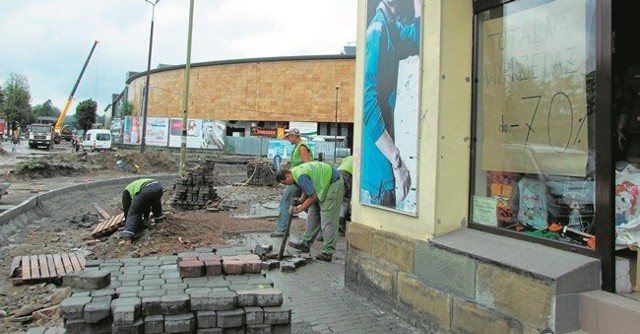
<point x="321" y="304"/>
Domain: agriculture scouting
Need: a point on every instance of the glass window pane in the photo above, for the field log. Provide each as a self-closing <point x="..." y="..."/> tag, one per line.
<point x="534" y="127"/>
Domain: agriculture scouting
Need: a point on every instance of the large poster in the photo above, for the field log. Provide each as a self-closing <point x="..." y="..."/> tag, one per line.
<point x="157" y="131"/>
<point x="391" y="105"/>
<point x="533" y="91"/>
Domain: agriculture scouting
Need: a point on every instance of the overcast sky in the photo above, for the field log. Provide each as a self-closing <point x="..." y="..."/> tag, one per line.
<point x="48" y="41"/>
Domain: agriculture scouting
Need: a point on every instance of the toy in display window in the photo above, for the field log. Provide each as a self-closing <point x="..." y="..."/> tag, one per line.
<point x="503" y="186"/>
<point x="532" y="211"/>
<point x="627" y="215"/>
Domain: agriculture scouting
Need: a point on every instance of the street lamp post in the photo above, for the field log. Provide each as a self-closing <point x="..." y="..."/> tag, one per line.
<point x="335" y="139"/>
<point x="143" y="143"/>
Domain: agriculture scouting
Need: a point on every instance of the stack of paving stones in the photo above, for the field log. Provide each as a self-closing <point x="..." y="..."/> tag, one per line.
<point x="204" y="291"/>
<point x="260" y="173"/>
<point x="197" y="188"/>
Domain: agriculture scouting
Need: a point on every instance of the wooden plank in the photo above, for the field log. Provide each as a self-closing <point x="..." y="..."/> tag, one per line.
<point x="26" y="267"/>
<point x="75" y="262"/>
<point x="57" y="262"/>
<point x="43" y="266"/>
<point x="103" y="213"/>
<point x="52" y="267"/>
<point x="35" y="271"/>
<point x="68" y="266"/>
<point x="15" y="264"/>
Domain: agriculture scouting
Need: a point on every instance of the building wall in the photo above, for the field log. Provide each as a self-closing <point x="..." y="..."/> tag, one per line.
<point x="431" y="268"/>
<point x="265" y="89"/>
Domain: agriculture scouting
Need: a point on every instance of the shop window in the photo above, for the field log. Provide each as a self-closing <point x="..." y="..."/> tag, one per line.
<point x="534" y="121"/>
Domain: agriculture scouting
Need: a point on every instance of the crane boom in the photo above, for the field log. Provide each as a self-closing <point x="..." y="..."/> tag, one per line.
<point x="63" y="113"/>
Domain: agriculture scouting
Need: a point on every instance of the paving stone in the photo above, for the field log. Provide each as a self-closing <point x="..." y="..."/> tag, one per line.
<point x="124" y="289"/>
<point x="95" y="279"/>
<point x="111" y="292"/>
<point x="191" y="268"/>
<point x="179" y="323"/>
<point x="270" y="265"/>
<point x="206" y="319"/>
<point x="151" y="305"/>
<point x="175" y="303"/>
<point x="231" y="318"/>
<point x="175" y="286"/>
<point x="136" y="301"/>
<point x="287" y="267"/>
<point x="73" y="307"/>
<point x="130" y="276"/>
<point x="152" y="283"/>
<point x="231" y="266"/>
<point x="276" y="315"/>
<point x="154" y="324"/>
<point x="137" y="327"/>
<point x="214" y="301"/>
<point x="132" y="269"/>
<point x="212" y="267"/>
<point x="97" y="310"/>
<point x="125" y="314"/>
<point x="269" y="297"/>
<point x="254" y="315"/>
<point x="258" y="329"/>
<point x="78" y="326"/>
<point x="152" y="293"/>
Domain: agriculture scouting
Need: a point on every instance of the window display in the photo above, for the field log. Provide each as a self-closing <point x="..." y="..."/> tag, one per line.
<point x="534" y="120"/>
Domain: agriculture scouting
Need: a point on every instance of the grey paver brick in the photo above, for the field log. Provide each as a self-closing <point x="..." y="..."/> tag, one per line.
<point x="231" y="318"/>
<point x="154" y="324"/>
<point x="73" y="307"/>
<point x="175" y="303"/>
<point x="276" y="315"/>
<point x="179" y="323"/>
<point x="206" y="319"/>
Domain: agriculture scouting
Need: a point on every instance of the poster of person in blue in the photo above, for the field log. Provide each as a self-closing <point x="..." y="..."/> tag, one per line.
<point x="391" y="105"/>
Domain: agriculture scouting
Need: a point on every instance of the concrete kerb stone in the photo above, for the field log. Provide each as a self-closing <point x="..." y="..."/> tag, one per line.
<point x="12" y="214"/>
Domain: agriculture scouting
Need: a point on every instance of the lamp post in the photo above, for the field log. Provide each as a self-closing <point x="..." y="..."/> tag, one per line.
<point x="335" y="139"/>
<point x="143" y="143"/>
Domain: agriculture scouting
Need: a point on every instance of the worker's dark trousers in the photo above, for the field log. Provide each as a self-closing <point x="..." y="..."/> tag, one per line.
<point x="149" y="196"/>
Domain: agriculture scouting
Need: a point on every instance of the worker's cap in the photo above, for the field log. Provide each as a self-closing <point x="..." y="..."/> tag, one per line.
<point x="293" y="132"/>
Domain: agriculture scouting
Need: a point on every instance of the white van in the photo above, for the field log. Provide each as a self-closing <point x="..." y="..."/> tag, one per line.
<point x="96" y="140"/>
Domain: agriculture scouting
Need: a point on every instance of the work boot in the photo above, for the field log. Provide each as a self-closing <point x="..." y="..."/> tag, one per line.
<point x="277" y="234"/>
<point x="324" y="257"/>
<point x="320" y="238"/>
<point x="301" y="246"/>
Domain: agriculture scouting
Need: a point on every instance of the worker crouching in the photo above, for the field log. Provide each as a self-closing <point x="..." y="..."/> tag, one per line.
<point x="140" y="198"/>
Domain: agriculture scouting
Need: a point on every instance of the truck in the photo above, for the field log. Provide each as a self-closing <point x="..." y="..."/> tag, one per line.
<point x="41" y="136"/>
<point x="3" y="128"/>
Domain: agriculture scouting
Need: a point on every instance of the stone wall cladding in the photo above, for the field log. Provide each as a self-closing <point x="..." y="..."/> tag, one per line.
<point x="162" y="301"/>
<point x="446" y="291"/>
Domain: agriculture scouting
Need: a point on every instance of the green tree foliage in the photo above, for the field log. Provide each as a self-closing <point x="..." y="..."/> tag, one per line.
<point x="46" y="109"/>
<point x="17" y="100"/>
<point x="86" y="114"/>
<point x="126" y="109"/>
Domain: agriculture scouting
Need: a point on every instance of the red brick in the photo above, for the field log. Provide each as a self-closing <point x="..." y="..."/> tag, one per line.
<point x="191" y="268"/>
<point x="232" y="266"/>
<point x="213" y="267"/>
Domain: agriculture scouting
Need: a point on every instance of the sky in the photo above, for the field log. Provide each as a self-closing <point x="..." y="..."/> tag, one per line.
<point x="48" y="41"/>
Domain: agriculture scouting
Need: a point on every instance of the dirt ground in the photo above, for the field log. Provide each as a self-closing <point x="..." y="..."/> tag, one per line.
<point x="66" y="224"/>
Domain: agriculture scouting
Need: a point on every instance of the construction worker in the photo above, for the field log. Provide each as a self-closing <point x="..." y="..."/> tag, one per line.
<point x="301" y="154"/>
<point x="322" y="193"/>
<point x="138" y="199"/>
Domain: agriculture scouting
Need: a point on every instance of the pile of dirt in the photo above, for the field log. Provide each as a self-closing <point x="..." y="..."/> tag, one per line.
<point x="70" y="164"/>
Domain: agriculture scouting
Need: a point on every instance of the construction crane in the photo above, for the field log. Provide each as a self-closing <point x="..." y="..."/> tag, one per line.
<point x="61" y="131"/>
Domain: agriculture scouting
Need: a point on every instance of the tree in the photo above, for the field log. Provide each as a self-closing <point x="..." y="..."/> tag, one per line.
<point x="17" y="100"/>
<point x="86" y="114"/>
<point x="126" y="109"/>
<point x="46" y="109"/>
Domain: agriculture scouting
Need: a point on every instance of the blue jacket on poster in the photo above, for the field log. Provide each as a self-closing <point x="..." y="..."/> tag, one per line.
<point x="387" y="42"/>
